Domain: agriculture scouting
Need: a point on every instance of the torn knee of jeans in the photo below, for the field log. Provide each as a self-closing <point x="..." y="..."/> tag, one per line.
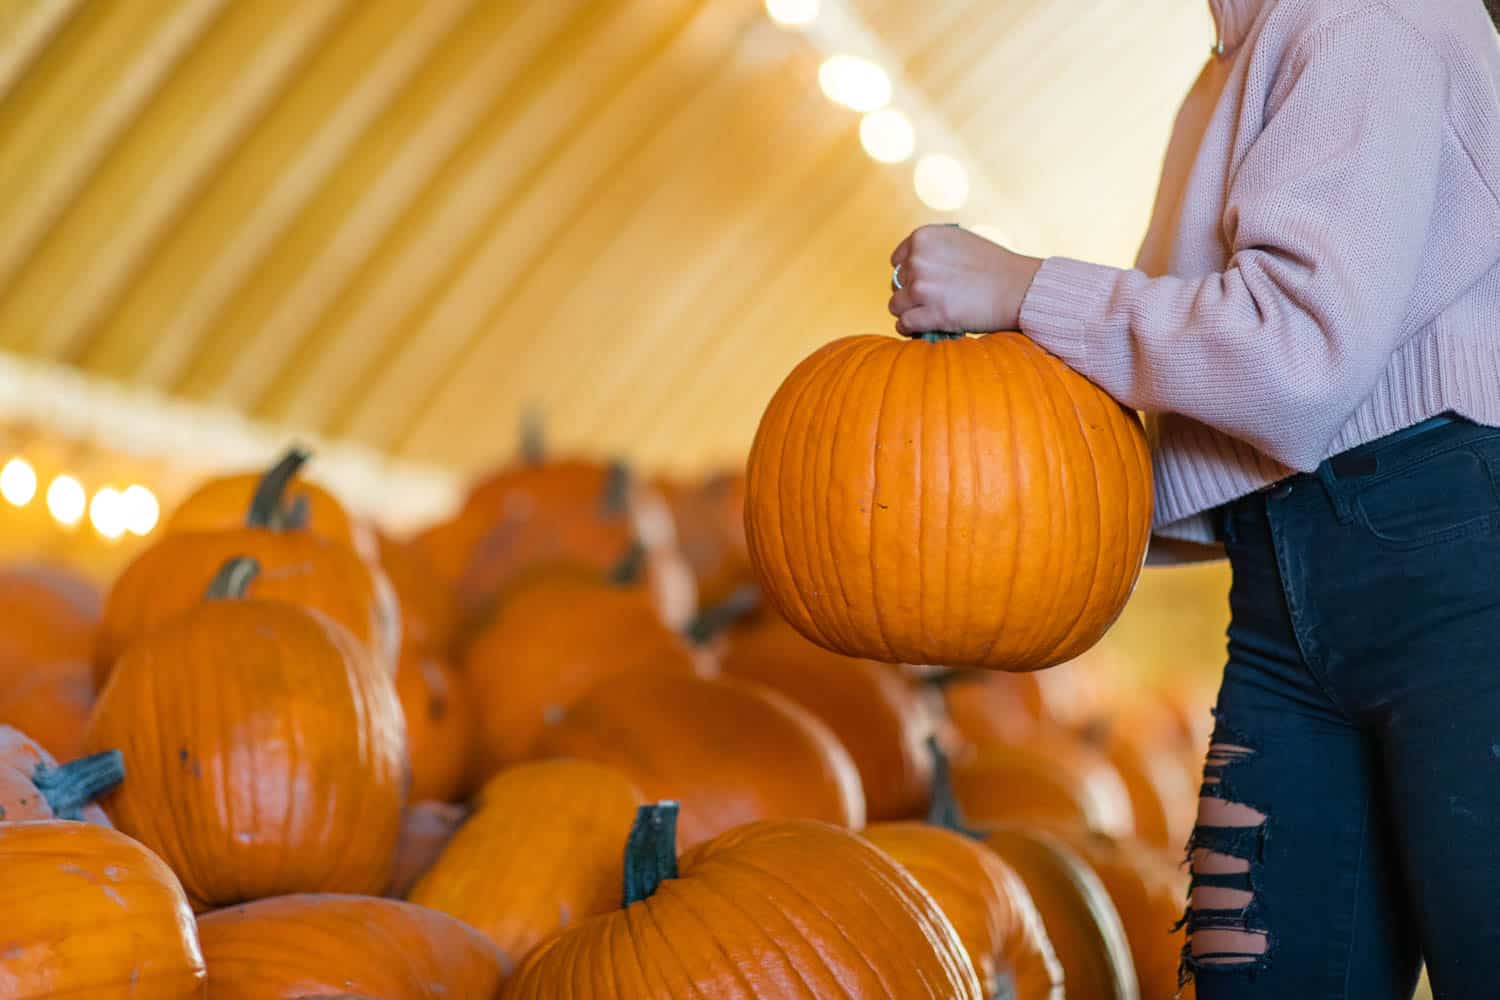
<point x="1221" y="919"/>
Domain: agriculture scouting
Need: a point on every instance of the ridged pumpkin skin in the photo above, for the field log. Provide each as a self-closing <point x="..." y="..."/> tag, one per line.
<point x="441" y="726"/>
<point x="791" y="909"/>
<point x="987" y="904"/>
<point x="426" y="830"/>
<point x="266" y="753"/>
<point x="542" y="851"/>
<point x="870" y="707"/>
<point x="26" y="793"/>
<point x="729" y="751"/>
<point x="46" y="614"/>
<point x="1081" y="920"/>
<point x="552" y="642"/>
<point x="88" y="912"/>
<point x="220" y="504"/>
<point x="315" y="945"/>
<point x="968" y="502"/>
<point x="51" y="703"/>
<point x="1058" y="780"/>
<point x="170" y="577"/>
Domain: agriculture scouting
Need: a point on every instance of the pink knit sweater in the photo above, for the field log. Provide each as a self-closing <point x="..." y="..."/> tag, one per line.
<point x="1321" y="269"/>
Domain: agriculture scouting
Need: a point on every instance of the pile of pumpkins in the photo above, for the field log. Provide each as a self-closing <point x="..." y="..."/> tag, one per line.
<point x="552" y="747"/>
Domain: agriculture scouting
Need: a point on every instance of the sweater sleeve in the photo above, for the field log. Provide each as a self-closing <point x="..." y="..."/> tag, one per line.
<point x="1327" y="216"/>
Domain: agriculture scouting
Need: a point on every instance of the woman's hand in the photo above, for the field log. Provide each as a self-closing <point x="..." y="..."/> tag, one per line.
<point x="954" y="281"/>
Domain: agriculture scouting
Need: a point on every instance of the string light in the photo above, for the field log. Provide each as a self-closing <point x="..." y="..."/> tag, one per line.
<point x="107" y="512"/>
<point x="792" y="13"/>
<point x="887" y="135"/>
<point x="141" y="510"/>
<point x="942" y="182"/>
<point x="855" y="83"/>
<point x="18" y="482"/>
<point x="66" y="500"/>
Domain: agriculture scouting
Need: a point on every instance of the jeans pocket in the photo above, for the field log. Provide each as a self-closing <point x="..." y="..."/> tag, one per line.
<point x="1440" y="498"/>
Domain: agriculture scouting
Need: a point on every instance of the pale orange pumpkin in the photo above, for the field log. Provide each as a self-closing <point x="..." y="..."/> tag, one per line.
<point x="966" y="501"/>
<point x="426" y="830"/>
<point x="33" y="786"/>
<point x="1057" y="780"/>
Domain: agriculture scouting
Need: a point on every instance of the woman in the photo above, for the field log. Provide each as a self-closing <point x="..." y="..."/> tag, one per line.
<point x="1315" y="326"/>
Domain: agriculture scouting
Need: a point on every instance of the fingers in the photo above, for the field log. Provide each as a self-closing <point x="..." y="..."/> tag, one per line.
<point x="902" y="301"/>
<point x="901" y="253"/>
<point x="922" y="319"/>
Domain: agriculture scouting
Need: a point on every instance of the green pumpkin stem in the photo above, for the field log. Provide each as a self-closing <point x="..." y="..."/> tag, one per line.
<point x="266" y="508"/>
<point x="533" y="436"/>
<point x="627" y="572"/>
<point x="232" y="579"/>
<point x="935" y="336"/>
<point x="711" y="622"/>
<point x="945" y="811"/>
<point x="947" y="677"/>
<point x="73" y="785"/>
<point x="651" y="851"/>
<point x="616" y="500"/>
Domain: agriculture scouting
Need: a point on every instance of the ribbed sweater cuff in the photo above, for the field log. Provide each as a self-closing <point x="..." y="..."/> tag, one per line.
<point x="1064" y="310"/>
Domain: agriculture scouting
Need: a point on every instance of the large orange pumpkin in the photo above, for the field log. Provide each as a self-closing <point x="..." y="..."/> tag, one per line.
<point x="88" y="912"/>
<point x="987" y="903"/>
<point x="958" y="501"/>
<point x="541" y="852"/>
<point x="729" y="750"/>
<point x="1059" y="779"/>
<point x="34" y="786"/>
<point x="549" y="644"/>
<point x="315" y="945"/>
<point x="46" y="614"/>
<point x="870" y="707"/>
<point x="266" y="497"/>
<point x="441" y="726"/>
<point x="1081" y="919"/>
<point x="426" y="830"/>
<point x="266" y="752"/>
<point x="791" y="909"/>
<point x="170" y="576"/>
<point x="50" y="702"/>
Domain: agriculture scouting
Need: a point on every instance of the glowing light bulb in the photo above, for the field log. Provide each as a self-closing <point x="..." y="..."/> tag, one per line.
<point x="887" y="135"/>
<point x="792" y="13"/>
<point x="66" y="500"/>
<point x="942" y="182"/>
<point x="107" y="513"/>
<point x="18" y="482"/>
<point x="855" y="83"/>
<point x="141" y="510"/>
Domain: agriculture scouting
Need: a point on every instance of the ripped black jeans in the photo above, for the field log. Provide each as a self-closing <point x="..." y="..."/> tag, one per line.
<point x="1349" y="825"/>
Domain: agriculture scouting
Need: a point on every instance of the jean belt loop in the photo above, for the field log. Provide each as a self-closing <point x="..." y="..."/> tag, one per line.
<point x="1341" y="493"/>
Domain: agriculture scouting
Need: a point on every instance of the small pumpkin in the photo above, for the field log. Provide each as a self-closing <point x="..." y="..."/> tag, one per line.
<point x="310" y="945"/>
<point x="870" y="707"/>
<point x="267" y="753"/>
<point x="91" y="913"/>
<point x="51" y="703"/>
<point x="729" y="750"/>
<point x="1163" y="791"/>
<point x="222" y="503"/>
<point x="551" y="642"/>
<point x="429" y="611"/>
<point x="540" y="853"/>
<point x="710" y="521"/>
<point x="34" y="786"/>
<point x="792" y="908"/>
<point x="426" y="830"/>
<point x="441" y="726"/>
<point x="169" y="577"/>
<point x="967" y="501"/>
<point x="47" y="614"/>
<point x="1060" y="779"/>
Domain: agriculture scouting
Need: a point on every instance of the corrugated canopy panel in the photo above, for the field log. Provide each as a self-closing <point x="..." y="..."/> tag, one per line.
<point x="402" y="221"/>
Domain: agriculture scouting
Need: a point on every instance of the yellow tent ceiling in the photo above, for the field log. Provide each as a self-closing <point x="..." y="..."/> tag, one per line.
<point x="401" y="221"/>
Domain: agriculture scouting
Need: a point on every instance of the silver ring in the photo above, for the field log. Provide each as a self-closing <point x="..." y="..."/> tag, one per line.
<point x="896" y="278"/>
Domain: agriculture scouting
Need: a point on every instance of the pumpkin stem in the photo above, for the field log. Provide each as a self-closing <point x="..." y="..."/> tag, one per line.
<point x="73" y="785"/>
<point x="232" y="579"/>
<point x="945" y="810"/>
<point x="711" y="622"/>
<point x="935" y="336"/>
<point x="533" y="436"/>
<point x="651" y="850"/>
<point x="616" y="489"/>
<point x="947" y="677"/>
<point x="266" y="506"/>
<point x="628" y="570"/>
